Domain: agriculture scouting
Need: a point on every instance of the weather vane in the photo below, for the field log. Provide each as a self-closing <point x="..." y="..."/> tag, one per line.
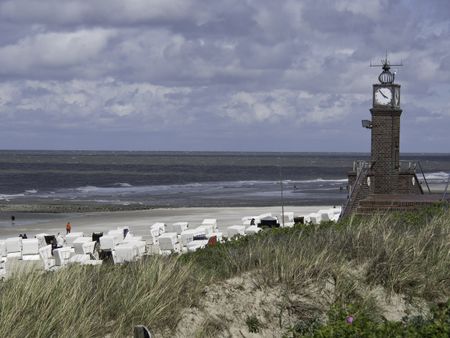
<point x="386" y="76"/>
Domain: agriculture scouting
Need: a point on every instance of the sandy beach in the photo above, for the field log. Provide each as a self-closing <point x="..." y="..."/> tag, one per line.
<point x="139" y="220"/>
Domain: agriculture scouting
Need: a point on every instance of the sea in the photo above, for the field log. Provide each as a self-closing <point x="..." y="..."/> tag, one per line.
<point x="188" y="179"/>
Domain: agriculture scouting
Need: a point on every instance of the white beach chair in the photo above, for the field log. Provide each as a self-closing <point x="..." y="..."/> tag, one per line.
<point x="160" y="226"/>
<point x="235" y="230"/>
<point x="324" y="215"/>
<point x="125" y="252"/>
<point x="208" y="229"/>
<point x="70" y="238"/>
<point x="288" y="220"/>
<point x="2" y="267"/>
<point x="41" y="239"/>
<point x="2" y="249"/>
<point x="334" y="213"/>
<point x="45" y="253"/>
<point x="59" y="240"/>
<point x="14" y="246"/>
<point x="117" y="234"/>
<point x="196" y="245"/>
<point x="169" y="242"/>
<point x="313" y="218"/>
<point x="156" y="230"/>
<point x="62" y="255"/>
<point x="187" y="236"/>
<point x="178" y="227"/>
<point x="30" y="249"/>
<point x="107" y="242"/>
<point x="84" y="246"/>
<point x="210" y="221"/>
<point x="139" y="245"/>
<point x="153" y="240"/>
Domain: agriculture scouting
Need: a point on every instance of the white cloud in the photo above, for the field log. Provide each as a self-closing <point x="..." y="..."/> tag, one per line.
<point x="88" y="103"/>
<point x="94" y="11"/>
<point x="288" y="107"/>
<point x="53" y="50"/>
<point x="8" y="93"/>
<point x="371" y="9"/>
<point x="157" y="64"/>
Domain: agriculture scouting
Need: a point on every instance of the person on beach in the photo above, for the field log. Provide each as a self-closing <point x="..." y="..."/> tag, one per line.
<point x="252" y="222"/>
<point x="13" y="219"/>
<point x="68" y="228"/>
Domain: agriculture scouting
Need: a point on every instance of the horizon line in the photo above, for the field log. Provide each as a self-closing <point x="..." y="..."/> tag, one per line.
<point x="215" y="151"/>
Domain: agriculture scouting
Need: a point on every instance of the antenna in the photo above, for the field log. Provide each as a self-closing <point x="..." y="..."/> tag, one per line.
<point x="386" y="76"/>
<point x="386" y="64"/>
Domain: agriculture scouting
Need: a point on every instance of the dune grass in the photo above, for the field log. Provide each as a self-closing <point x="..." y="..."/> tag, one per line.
<point x="402" y="257"/>
<point x="83" y="301"/>
<point x="407" y="255"/>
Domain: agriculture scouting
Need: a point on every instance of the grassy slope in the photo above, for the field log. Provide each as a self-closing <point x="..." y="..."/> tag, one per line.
<point x="408" y="255"/>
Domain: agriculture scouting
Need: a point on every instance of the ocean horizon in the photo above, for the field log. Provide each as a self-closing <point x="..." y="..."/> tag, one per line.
<point x="186" y="178"/>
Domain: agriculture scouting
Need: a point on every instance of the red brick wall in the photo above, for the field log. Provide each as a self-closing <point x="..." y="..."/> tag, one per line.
<point x="385" y="150"/>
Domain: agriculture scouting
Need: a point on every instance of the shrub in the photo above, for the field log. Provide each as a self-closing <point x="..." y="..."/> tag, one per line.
<point x="438" y="325"/>
<point x="253" y="324"/>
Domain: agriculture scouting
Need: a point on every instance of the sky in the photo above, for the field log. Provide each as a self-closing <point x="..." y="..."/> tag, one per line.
<point x="228" y="75"/>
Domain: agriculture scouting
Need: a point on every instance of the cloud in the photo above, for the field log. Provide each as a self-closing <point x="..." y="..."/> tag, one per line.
<point x="217" y="67"/>
<point x="94" y="12"/>
<point x="92" y="104"/>
<point x="289" y="107"/>
<point x="53" y="50"/>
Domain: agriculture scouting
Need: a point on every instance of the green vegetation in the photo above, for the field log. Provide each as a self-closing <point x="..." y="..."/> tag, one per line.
<point x="337" y="266"/>
<point x="253" y="324"/>
<point x="437" y="325"/>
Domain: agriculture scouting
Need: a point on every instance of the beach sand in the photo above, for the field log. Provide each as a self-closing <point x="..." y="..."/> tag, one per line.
<point x="139" y="220"/>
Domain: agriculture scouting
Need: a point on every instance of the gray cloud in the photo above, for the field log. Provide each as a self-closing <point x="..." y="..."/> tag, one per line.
<point x="192" y="74"/>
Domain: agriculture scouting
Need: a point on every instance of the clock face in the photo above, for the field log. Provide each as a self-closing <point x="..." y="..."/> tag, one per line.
<point x="383" y="96"/>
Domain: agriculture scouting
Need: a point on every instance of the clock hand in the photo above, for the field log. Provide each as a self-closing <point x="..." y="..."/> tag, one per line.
<point x="383" y="94"/>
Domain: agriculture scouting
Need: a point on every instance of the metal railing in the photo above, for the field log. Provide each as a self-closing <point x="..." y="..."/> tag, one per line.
<point x="412" y="166"/>
<point x="444" y="195"/>
<point x="424" y="178"/>
<point x="361" y="168"/>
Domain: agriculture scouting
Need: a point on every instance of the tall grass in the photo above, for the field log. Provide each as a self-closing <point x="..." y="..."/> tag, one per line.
<point x="403" y="257"/>
<point x="410" y="258"/>
<point x="95" y="301"/>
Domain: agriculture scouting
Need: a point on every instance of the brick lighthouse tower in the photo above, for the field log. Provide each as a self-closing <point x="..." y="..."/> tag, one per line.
<point x="384" y="183"/>
<point x="385" y="144"/>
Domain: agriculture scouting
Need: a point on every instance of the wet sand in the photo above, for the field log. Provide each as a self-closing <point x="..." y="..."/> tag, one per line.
<point x="138" y="220"/>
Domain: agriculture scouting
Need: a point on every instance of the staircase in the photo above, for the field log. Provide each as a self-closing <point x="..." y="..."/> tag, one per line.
<point x="358" y="191"/>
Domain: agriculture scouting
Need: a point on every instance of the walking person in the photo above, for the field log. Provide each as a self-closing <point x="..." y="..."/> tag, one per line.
<point x="68" y="228"/>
